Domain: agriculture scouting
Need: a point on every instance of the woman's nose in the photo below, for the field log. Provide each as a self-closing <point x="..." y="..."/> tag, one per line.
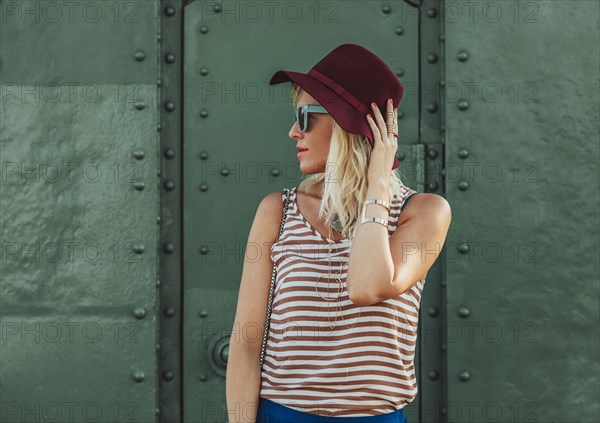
<point x="295" y="130"/>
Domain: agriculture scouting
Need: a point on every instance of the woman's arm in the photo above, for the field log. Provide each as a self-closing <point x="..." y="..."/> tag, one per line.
<point x="381" y="269"/>
<point x="243" y="372"/>
<point x="242" y="385"/>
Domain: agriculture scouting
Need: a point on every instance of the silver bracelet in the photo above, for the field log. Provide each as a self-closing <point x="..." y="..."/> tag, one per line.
<point x="374" y="219"/>
<point x="379" y="220"/>
<point x="380" y="202"/>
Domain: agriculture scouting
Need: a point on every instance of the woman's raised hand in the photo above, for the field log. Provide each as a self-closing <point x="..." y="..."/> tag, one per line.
<point x="385" y="144"/>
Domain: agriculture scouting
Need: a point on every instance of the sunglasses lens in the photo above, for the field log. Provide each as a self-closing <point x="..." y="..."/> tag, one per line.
<point x="301" y="117"/>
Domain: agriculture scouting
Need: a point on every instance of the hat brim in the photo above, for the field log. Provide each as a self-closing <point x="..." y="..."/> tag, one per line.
<point x="347" y="116"/>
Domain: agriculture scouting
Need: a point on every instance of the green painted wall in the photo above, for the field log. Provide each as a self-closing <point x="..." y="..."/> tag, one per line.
<point x="78" y="210"/>
<point x="522" y="180"/>
<point x="138" y="137"/>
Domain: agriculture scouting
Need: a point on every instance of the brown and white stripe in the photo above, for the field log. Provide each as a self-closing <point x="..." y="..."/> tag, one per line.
<point x="363" y="370"/>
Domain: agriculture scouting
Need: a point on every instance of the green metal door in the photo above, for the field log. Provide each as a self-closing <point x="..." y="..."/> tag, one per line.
<point x="236" y="150"/>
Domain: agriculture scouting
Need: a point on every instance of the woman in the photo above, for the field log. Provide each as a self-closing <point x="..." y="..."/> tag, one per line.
<point x="345" y="309"/>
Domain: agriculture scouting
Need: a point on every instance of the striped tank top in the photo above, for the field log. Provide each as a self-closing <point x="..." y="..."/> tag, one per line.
<point x="362" y="367"/>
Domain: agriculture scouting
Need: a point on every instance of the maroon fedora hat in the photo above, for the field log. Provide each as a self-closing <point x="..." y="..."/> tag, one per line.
<point x="345" y="82"/>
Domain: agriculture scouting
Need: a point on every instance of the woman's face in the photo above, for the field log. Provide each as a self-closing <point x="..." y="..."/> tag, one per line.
<point x="316" y="140"/>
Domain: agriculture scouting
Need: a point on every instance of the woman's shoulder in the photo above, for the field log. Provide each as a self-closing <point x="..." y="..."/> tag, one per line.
<point x="268" y="215"/>
<point x="423" y="203"/>
<point x="272" y="203"/>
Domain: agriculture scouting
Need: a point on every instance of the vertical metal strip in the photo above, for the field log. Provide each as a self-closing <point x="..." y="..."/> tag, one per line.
<point x="431" y="322"/>
<point x="170" y="181"/>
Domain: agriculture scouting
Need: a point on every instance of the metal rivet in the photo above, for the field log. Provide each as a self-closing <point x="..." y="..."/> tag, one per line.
<point x="204" y="113"/>
<point x="203" y="250"/>
<point x="400" y="114"/>
<point x="464" y="312"/>
<point x="170" y="11"/>
<point x="204" y="71"/>
<point x="203" y="187"/>
<point x="139" y="313"/>
<point x="442" y="38"/>
<point x="169" y="248"/>
<point x="140" y="105"/>
<point x="159" y="82"/>
<point x="169" y="153"/>
<point x="400" y="72"/>
<point x="204" y="155"/>
<point x="139" y="185"/>
<point x="386" y="9"/>
<point x="432" y="58"/>
<point x="463" y="185"/>
<point x="463" y="248"/>
<point x="157" y="347"/>
<point x="464" y="376"/>
<point x="203" y="313"/>
<point x="217" y="8"/>
<point x="158" y="283"/>
<point x="169" y="58"/>
<point x="433" y="311"/>
<point x="432" y="186"/>
<point x="138" y="248"/>
<point x="169" y="312"/>
<point x="463" y="105"/>
<point x="432" y="108"/>
<point x="202" y="377"/>
<point x="463" y="56"/>
<point x="159" y="127"/>
<point x="203" y="29"/>
<point x="432" y="153"/>
<point x="442" y="83"/>
<point x="169" y="185"/>
<point x="442" y="129"/>
<point x="434" y="375"/>
<point x="399" y="30"/>
<point x="168" y="375"/>
<point x="432" y="13"/>
<point x="139" y="154"/>
<point x="402" y="155"/>
<point x="275" y="172"/>
<point x="463" y="153"/>
<point x="443" y="348"/>
<point x="169" y="106"/>
<point x="139" y="55"/>
<point x="224" y="353"/>
<point x="444" y="283"/>
<point x="224" y="171"/>
<point x="138" y="376"/>
<point x="159" y="38"/>
<point x="157" y="411"/>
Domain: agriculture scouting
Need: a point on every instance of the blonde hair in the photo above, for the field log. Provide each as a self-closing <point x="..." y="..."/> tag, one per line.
<point x="345" y="177"/>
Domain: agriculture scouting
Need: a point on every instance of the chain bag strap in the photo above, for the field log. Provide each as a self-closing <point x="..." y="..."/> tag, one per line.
<point x="273" y="277"/>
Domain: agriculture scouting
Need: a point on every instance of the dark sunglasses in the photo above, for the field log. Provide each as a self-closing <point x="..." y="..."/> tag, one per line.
<point x="302" y="113"/>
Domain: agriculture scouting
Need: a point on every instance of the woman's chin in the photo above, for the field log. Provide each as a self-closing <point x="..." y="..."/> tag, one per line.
<point x="310" y="167"/>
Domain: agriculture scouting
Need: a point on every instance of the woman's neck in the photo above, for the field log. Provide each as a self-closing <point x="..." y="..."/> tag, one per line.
<point x="316" y="190"/>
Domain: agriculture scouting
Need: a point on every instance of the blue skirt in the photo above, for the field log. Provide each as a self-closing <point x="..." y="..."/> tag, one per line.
<point x="272" y="412"/>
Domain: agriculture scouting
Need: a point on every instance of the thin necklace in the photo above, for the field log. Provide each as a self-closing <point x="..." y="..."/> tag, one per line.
<point x="338" y="304"/>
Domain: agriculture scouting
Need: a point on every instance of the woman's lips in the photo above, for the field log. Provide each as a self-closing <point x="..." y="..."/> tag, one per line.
<point x="301" y="152"/>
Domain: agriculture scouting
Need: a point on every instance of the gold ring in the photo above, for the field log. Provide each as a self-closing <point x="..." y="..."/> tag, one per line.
<point x="390" y="122"/>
